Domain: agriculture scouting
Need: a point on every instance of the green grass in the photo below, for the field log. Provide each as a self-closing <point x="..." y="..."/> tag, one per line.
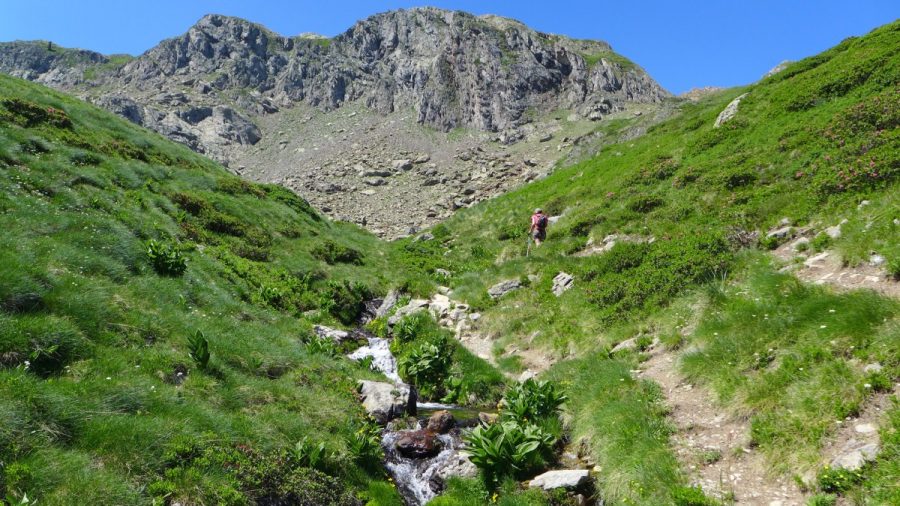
<point x="791" y="355"/>
<point x="623" y="63"/>
<point x="97" y="385"/>
<point x="93" y="337"/>
<point x="810" y="144"/>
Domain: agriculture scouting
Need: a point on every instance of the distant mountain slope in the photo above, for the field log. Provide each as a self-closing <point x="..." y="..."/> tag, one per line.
<point x="454" y="68"/>
<point x="477" y="100"/>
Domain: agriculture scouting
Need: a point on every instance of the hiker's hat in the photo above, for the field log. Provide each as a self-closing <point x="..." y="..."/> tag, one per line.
<point x="538" y="210"/>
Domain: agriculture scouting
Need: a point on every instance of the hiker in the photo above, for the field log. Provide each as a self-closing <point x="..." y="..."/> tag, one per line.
<point x="538" y="228"/>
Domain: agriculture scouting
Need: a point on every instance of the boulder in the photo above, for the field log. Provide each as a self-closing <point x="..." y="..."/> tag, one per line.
<point x="418" y="444"/>
<point x="562" y="282"/>
<point x="488" y="418"/>
<point x="729" y="112"/>
<point x="335" y="335"/>
<point x="385" y="401"/>
<point x="504" y="287"/>
<point x="780" y="232"/>
<point x="628" y="344"/>
<point x="872" y="368"/>
<point x="569" y="479"/>
<point x="439" y="305"/>
<point x="440" y="422"/>
<point x="404" y="164"/>
<point x="414" y="306"/>
<point x="390" y="300"/>
<point x="457" y="465"/>
<point x="835" y="231"/>
<point x="856" y="458"/>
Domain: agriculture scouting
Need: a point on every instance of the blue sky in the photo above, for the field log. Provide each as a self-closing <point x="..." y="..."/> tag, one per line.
<point x="683" y="44"/>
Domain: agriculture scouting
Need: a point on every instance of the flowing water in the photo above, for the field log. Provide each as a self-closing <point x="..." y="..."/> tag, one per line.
<point x="382" y="358"/>
<point x="418" y="479"/>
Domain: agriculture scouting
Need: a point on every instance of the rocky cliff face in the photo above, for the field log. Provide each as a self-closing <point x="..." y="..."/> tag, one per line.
<point x="213" y="87"/>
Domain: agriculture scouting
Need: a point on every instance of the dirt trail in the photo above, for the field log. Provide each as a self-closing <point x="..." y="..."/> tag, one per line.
<point x="713" y="446"/>
<point x="827" y="268"/>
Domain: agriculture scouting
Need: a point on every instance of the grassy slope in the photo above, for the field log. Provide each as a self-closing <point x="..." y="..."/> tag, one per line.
<point x="91" y="337"/>
<point x="809" y="144"/>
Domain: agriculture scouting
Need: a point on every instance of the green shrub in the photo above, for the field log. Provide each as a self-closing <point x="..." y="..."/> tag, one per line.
<point x="45" y="344"/>
<point x="627" y="281"/>
<point x="645" y="203"/>
<point x="29" y="114"/>
<point x="332" y="253"/>
<point x="198" y="347"/>
<point x="532" y="400"/>
<point x="365" y="445"/>
<point x="427" y="366"/>
<point x="316" y="345"/>
<point x="836" y="480"/>
<point x="820" y="242"/>
<point x="893" y="268"/>
<point x="509" y="448"/>
<point x="238" y="186"/>
<point x="822" y="500"/>
<point x="345" y="300"/>
<point x="165" y="259"/>
<point x="691" y="496"/>
<point x="309" y="454"/>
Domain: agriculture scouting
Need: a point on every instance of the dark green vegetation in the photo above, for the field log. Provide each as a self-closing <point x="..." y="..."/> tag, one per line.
<point x="687" y="202"/>
<point x="522" y="443"/>
<point x="438" y="366"/>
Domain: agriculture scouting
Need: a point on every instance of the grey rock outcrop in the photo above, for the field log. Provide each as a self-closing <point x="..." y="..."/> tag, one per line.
<point x="729" y="112"/>
<point x="856" y="458"/>
<point x="385" y="401"/>
<point x="562" y="282"/>
<point x="570" y="479"/>
<point x="453" y="68"/>
<point x="504" y="287"/>
<point x="335" y="335"/>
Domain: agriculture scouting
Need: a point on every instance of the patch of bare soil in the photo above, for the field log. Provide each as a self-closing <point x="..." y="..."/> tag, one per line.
<point x="827" y="268"/>
<point x="714" y="445"/>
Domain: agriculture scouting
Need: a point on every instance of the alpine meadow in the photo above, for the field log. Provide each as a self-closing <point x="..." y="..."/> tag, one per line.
<point x="249" y="269"/>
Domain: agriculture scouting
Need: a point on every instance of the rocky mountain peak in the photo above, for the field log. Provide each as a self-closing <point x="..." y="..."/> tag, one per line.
<point x="242" y="94"/>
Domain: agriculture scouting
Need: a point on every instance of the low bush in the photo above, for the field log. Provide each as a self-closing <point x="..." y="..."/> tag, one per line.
<point x="836" y="480"/>
<point x="509" y="448"/>
<point x="345" y="300"/>
<point x="29" y="114"/>
<point x="332" y="253"/>
<point x="199" y="350"/>
<point x="166" y="259"/>
<point x="427" y="366"/>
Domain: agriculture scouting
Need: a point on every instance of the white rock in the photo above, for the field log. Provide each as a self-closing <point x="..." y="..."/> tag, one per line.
<point x="329" y="333"/>
<point x="562" y="282"/>
<point x="729" y="112"/>
<point x="865" y="428"/>
<point x="567" y="479"/>
<point x="780" y="232"/>
<point x="390" y="300"/>
<point x="628" y="344"/>
<point x="414" y="306"/>
<point x="876" y="260"/>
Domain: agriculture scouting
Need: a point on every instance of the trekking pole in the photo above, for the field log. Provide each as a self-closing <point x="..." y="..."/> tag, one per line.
<point x="528" y="245"/>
